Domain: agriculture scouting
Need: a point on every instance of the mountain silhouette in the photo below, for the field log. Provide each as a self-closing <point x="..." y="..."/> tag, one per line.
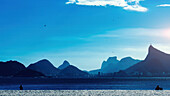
<point x="10" y="68"/>
<point x="156" y="63"/>
<point x="114" y="65"/>
<point x="44" y="66"/>
<point x="28" y="73"/>
<point x="64" y="65"/>
<point x="72" y="71"/>
<point x="125" y="63"/>
<point x="107" y="66"/>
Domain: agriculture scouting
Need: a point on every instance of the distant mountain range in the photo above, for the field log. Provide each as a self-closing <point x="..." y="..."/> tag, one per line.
<point x="114" y="65"/>
<point x="156" y="63"/>
<point x="41" y="68"/>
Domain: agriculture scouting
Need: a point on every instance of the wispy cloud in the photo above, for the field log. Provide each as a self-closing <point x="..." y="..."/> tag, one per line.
<point x="106" y="35"/>
<point x="164" y="5"/>
<point x="126" y="4"/>
<point x="138" y="32"/>
<point x="157" y="33"/>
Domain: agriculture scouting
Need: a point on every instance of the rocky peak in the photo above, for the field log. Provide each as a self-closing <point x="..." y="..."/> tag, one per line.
<point x="64" y="65"/>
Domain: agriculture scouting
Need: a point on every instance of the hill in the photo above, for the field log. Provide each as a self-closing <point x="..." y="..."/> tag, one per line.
<point x="44" y="66"/>
<point x="10" y="68"/>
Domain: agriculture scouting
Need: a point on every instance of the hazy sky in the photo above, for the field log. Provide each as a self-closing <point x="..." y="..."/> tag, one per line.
<point x="84" y="32"/>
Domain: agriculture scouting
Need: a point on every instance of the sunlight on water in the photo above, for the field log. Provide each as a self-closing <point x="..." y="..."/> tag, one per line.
<point x="86" y="92"/>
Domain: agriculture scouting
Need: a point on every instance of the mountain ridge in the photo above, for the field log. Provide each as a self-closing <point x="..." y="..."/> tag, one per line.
<point x="156" y="63"/>
<point x="114" y="65"/>
<point x="9" y="68"/>
<point x="44" y="66"/>
<point x="64" y="65"/>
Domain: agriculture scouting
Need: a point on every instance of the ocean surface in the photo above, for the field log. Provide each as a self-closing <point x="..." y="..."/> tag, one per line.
<point x="84" y="87"/>
<point x="84" y="84"/>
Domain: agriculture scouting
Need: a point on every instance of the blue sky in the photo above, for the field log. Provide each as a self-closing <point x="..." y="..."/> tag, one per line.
<point x="84" y="32"/>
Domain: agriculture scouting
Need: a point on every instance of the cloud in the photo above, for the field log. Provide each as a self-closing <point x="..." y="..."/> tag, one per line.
<point x="164" y="5"/>
<point x="105" y="35"/>
<point x="145" y="33"/>
<point x="126" y="4"/>
<point x="157" y="33"/>
<point x="133" y="49"/>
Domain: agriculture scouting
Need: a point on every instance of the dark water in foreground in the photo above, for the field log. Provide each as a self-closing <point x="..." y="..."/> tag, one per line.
<point x="85" y="84"/>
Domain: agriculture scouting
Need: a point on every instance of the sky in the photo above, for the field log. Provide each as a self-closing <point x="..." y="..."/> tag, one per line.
<point x="83" y="32"/>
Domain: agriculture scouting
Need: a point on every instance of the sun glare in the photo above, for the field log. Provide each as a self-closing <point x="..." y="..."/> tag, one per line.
<point x="166" y="34"/>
